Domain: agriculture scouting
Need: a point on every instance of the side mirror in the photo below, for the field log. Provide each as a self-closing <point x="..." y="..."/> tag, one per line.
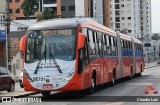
<point x="22" y="46"/>
<point x="81" y="40"/>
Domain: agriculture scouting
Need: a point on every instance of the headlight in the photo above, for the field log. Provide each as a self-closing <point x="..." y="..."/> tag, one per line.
<point x="69" y="76"/>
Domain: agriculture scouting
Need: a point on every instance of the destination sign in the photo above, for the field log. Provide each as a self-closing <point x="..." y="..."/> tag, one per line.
<point x="59" y="32"/>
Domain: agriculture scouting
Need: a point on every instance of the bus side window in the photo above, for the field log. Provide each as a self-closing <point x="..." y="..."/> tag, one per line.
<point x="104" y="45"/>
<point x="108" y="45"/>
<point x="91" y="47"/>
<point x="109" y="48"/>
<point x="135" y="46"/>
<point x="115" y="45"/>
<point x="96" y="44"/>
<point x="99" y="42"/>
<point x="127" y="48"/>
<point x="84" y="31"/>
<point x="123" y="46"/>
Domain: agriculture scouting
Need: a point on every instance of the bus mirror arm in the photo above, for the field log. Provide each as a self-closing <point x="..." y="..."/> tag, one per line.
<point x="81" y="40"/>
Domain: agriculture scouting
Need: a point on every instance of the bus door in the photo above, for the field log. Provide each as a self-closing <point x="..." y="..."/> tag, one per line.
<point x="105" y="58"/>
<point x="134" y="57"/>
<point x="100" y="55"/>
<point x="111" y="58"/>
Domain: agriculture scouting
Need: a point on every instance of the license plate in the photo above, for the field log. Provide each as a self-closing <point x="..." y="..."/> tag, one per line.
<point x="47" y="86"/>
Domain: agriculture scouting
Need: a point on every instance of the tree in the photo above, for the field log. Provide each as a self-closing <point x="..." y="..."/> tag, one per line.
<point x="48" y="14"/>
<point x="124" y="31"/>
<point x="156" y="37"/>
<point x="45" y="15"/>
<point x="28" y="7"/>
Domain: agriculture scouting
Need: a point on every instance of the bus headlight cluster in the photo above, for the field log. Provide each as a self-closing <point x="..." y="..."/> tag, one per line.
<point x="69" y="76"/>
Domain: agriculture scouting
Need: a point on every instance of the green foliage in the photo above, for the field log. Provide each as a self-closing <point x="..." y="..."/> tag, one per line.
<point x="156" y="37"/>
<point x="28" y="6"/>
<point x="48" y="14"/>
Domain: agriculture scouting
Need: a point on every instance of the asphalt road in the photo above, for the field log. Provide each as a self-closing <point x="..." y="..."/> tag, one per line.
<point x="124" y="89"/>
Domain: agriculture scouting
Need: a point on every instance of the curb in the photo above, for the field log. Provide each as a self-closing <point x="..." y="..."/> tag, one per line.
<point x="25" y="95"/>
<point x="151" y="67"/>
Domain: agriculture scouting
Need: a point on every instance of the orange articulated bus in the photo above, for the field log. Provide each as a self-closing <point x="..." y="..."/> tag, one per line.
<point x="77" y="54"/>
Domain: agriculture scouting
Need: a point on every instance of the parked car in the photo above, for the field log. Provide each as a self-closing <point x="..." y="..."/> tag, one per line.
<point x="21" y="80"/>
<point x="6" y="81"/>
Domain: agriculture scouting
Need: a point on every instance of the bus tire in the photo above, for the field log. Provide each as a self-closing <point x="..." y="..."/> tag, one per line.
<point x="93" y="84"/>
<point x="140" y="73"/>
<point x="46" y="94"/>
<point x="131" y="74"/>
<point x="113" y="78"/>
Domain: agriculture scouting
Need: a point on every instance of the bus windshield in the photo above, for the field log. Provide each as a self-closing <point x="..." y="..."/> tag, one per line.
<point x="45" y="44"/>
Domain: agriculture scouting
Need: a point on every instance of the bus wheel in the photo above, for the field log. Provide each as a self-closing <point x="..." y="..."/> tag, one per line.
<point x="130" y="75"/>
<point x="93" y="85"/>
<point x="45" y="94"/>
<point x="140" y="73"/>
<point x="113" y="79"/>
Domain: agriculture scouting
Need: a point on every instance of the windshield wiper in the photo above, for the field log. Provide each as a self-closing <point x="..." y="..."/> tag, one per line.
<point x="39" y="62"/>
<point x="52" y="56"/>
<point x="44" y="55"/>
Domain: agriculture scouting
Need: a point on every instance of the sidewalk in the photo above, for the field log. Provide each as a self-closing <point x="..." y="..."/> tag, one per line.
<point x="149" y="65"/>
<point x="19" y="92"/>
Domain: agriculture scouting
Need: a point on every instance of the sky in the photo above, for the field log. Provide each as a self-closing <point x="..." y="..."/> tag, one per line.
<point x="155" y="16"/>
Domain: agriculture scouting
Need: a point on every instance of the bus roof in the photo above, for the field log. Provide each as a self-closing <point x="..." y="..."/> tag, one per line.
<point x="60" y="23"/>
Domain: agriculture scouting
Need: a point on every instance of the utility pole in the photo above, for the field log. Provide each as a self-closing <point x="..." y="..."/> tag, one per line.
<point x="8" y="34"/>
<point x="159" y="50"/>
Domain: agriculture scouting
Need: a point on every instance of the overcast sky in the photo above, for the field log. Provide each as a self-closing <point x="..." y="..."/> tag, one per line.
<point x="155" y="16"/>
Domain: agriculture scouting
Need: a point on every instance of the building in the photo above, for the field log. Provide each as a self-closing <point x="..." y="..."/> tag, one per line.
<point x="97" y="9"/>
<point x="151" y="52"/>
<point x="15" y="9"/>
<point x="51" y="5"/>
<point x="125" y="16"/>
<point x="3" y="50"/>
<point x="132" y="17"/>
<point x="145" y="16"/>
<point x="21" y="25"/>
<point x="16" y="55"/>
